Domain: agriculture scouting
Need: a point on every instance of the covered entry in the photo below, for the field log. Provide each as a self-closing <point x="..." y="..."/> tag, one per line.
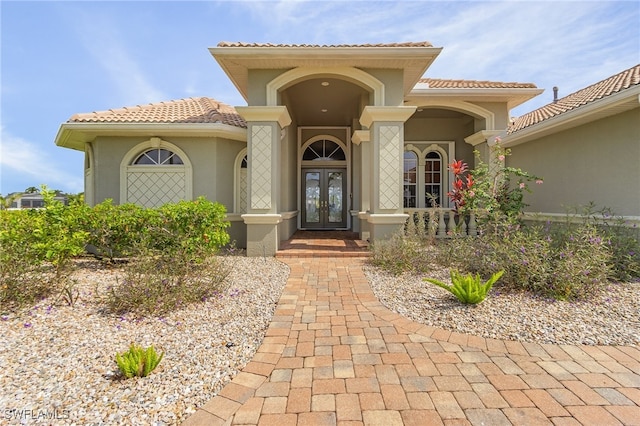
<point x="324" y="183"/>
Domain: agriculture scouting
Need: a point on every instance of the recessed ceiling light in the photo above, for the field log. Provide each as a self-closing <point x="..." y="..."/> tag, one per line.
<point x="325" y="83"/>
<point x="323" y="110"/>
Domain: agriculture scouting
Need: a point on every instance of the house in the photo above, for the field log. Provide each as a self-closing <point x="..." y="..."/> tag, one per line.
<point x="32" y="200"/>
<point x="339" y="137"/>
<point x="587" y="147"/>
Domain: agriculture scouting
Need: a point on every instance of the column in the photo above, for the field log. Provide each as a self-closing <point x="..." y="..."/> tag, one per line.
<point x="264" y="127"/>
<point x="362" y="138"/>
<point x="386" y="127"/>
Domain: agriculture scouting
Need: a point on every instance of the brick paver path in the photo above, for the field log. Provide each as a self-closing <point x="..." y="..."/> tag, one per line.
<point x="334" y="355"/>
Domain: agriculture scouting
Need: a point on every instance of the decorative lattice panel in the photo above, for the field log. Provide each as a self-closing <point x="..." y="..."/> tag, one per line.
<point x="389" y="164"/>
<point x="260" y="167"/>
<point x="242" y="205"/>
<point x="153" y="189"/>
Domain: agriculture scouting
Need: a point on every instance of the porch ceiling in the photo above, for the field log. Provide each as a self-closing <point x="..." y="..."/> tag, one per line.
<point x="324" y="102"/>
<point x="237" y="60"/>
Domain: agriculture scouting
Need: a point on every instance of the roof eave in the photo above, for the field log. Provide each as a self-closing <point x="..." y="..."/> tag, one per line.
<point x="236" y="61"/>
<point x="76" y="135"/>
<point x="512" y="96"/>
<point x="605" y="107"/>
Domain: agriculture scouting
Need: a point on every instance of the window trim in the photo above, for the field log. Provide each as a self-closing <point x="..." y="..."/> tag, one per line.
<point x="237" y="165"/>
<point x="155" y="143"/>
<point x="446" y="178"/>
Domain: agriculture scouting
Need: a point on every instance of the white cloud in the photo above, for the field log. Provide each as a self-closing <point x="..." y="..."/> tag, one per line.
<point x="102" y="39"/>
<point x="28" y="161"/>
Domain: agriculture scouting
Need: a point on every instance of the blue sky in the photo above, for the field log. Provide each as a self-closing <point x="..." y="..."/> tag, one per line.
<point x="62" y="58"/>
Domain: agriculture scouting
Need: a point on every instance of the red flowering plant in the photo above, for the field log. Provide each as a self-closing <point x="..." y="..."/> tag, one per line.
<point x="461" y="194"/>
<point x="493" y="190"/>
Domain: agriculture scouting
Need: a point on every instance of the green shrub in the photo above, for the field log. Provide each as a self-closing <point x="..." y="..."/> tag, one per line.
<point x="23" y="275"/>
<point x="622" y="239"/>
<point x="563" y="265"/>
<point x="116" y="229"/>
<point x="36" y="249"/>
<point x="467" y="288"/>
<point x="401" y="254"/>
<point x="190" y="229"/>
<point x="138" y="361"/>
<point x="154" y="285"/>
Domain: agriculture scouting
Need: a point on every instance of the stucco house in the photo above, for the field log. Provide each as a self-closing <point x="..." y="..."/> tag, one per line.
<point x="344" y="137"/>
<point x="587" y="147"/>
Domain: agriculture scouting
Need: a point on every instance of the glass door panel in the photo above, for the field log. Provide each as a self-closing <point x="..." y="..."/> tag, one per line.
<point x="312" y="197"/>
<point x="336" y="196"/>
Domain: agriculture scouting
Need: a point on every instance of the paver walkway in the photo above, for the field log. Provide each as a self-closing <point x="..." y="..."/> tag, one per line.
<point x="333" y="355"/>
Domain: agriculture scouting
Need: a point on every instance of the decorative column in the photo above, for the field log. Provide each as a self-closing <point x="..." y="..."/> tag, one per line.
<point x="362" y="138"/>
<point x="264" y="127"/>
<point x="386" y="127"/>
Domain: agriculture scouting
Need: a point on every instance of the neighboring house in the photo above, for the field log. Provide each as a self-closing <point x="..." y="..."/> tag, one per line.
<point x="32" y="201"/>
<point x="586" y="146"/>
<point x="333" y="137"/>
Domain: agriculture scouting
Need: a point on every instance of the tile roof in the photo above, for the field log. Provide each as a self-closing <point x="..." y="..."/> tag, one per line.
<point x="405" y="44"/>
<point x="438" y="83"/>
<point x="602" y="89"/>
<point x="191" y="110"/>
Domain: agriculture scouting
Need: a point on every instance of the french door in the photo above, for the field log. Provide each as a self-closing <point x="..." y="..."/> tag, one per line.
<point x="324" y="198"/>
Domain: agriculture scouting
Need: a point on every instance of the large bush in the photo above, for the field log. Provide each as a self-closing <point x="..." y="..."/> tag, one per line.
<point x="172" y="263"/>
<point x="36" y="248"/>
<point x="563" y="265"/>
<point x="170" y="244"/>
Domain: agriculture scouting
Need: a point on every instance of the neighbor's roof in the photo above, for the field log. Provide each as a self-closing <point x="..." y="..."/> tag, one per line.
<point x="614" y="84"/>
<point x="191" y="110"/>
<point x="438" y="83"/>
<point x="406" y="44"/>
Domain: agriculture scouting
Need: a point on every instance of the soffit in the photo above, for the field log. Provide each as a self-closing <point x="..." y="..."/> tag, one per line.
<point x="236" y="59"/>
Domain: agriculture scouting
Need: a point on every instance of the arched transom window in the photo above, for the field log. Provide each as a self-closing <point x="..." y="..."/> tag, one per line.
<point x="324" y="150"/>
<point x="158" y="157"/>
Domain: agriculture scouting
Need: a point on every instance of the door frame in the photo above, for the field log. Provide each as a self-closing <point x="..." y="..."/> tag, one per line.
<point x="338" y="134"/>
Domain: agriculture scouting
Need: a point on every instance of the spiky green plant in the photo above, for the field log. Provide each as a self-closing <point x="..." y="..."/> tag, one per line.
<point x="468" y="288"/>
<point x="138" y="361"/>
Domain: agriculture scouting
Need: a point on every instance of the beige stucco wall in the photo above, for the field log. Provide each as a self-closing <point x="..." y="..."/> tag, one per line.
<point x="393" y="85"/>
<point x="598" y="162"/>
<point x="258" y="80"/>
<point x="212" y="161"/>
<point x="500" y="114"/>
<point x="442" y="129"/>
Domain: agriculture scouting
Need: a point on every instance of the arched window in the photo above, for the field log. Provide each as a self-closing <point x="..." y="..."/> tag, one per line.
<point x="324" y="150"/>
<point x="410" y="177"/>
<point x="433" y="179"/>
<point x="154" y="173"/>
<point x="243" y="185"/>
<point x="158" y="157"/>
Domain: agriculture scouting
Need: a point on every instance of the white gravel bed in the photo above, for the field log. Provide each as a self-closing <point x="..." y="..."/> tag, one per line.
<point x="57" y="363"/>
<point x="611" y="317"/>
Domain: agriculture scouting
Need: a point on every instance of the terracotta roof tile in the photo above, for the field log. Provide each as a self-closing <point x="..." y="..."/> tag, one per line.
<point x="405" y="44"/>
<point x="191" y="110"/>
<point x="602" y="89"/>
<point x="437" y="83"/>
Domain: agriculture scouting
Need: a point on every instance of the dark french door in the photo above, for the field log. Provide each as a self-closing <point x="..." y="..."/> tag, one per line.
<point x="324" y="198"/>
